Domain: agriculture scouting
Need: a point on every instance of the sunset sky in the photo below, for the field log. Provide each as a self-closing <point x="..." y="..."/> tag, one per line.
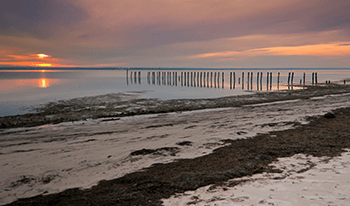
<point x="175" y="33"/>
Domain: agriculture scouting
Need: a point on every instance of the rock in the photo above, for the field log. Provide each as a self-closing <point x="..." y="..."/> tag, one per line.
<point x="329" y="115"/>
<point x="185" y="143"/>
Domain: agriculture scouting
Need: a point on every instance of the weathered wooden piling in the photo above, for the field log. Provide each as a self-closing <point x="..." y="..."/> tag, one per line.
<point x="313" y="78"/>
<point x="270" y="80"/>
<point x="248" y="80"/>
<point x="139" y="77"/>
<point x="292" y="80"/>
<point x="188" y="79"/>
<point x="234" y="80"/>
<point x="261" y="82"/>
<point x="218" y="79"/>
<point x="257" y="81"/>
<point x="267" y="80"/>
<point x="230" y="80"/>
<point x="203" y="75"/>
<point x="242" y="80"/>
<point x="278" y="81"/>
<point x="251" y="80"/>
<point x="304" y="78"/>
<point x="197" y="79"/>
<point x="214" y="79"/>
<point x="182" y="75"/>
<point x="316" y="77"/>
<point x="135" y="76"/>
<point x="223" y="79"/>
<point x="288" y="78"/>
<point x="175" y="78"/>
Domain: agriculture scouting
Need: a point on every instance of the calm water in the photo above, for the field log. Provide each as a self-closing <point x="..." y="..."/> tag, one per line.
<point x="22" y="89"/>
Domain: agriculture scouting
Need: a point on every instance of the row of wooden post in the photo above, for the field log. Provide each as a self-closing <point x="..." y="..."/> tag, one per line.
<point x="136" y="79"/>
<point x="211" y="79"/>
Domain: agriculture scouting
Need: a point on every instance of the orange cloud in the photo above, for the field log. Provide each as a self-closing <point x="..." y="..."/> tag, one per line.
<point x="335" y="49"/>
<point x="13" y="57"/>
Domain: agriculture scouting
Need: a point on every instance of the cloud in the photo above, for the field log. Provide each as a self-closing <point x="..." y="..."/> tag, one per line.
<point x="162" y="33"/>
<point x="37" y="18"/>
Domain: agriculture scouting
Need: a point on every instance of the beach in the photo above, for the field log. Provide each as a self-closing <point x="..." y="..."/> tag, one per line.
<point x="195" y="152"/>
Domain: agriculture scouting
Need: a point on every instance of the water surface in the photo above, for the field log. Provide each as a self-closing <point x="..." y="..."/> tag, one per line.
<point x="22" y="89"/>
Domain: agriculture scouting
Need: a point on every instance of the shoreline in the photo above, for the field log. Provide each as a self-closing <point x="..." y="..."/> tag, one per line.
<point x="110" y="106"/>
<point x="325" y="135"/>
<point x="176" y="148"/>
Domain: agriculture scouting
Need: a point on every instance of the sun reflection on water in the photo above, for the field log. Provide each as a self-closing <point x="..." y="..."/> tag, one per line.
<point x="44" y="83"/>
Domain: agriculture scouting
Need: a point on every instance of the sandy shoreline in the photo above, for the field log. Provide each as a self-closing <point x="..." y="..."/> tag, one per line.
<point x="121" y="105"/>
<point x="82" y="153"/>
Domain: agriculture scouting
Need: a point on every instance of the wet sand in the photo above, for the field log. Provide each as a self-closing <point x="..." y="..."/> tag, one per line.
<point x="110" y="106"/>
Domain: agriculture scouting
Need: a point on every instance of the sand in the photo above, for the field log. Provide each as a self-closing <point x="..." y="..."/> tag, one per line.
<point x="52" y="158"/>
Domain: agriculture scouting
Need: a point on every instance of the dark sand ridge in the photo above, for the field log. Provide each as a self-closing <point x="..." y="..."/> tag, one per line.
<point x="110" y="106"/>
<point x="324" y="136"/>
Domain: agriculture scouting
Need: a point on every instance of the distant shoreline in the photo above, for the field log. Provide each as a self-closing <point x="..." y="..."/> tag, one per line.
<point x="159" y="68"/>
<point x="104" y="107"/>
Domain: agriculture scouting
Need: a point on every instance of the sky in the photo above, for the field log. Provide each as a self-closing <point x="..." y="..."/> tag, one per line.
<point x="175" y="33"/>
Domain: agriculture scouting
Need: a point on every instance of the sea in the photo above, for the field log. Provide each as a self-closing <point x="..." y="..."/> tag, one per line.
<point x="22" y="89"/>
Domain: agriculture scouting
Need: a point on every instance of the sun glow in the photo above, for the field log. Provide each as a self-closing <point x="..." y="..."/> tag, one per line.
<point x="42" y="56"/>
<point x="44" y="65"/>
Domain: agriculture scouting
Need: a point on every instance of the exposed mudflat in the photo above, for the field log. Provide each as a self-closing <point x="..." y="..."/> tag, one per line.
<point x="121" y="105"/>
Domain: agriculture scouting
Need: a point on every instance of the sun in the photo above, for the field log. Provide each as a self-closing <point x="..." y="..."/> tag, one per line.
<point x="42" y="56"/>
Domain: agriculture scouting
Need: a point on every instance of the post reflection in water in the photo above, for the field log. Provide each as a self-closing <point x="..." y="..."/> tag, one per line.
<point x="208" y="79"/>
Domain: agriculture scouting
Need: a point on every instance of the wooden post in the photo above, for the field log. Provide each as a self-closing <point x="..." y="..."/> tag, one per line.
<point x="218" y="79"/>
<point x="182" y="78"/>
<point x="188" y="79"/>
<point x="139" y="77"/>
<point x="288" y="78"/>
<point x="234" y="80"/>
<point x="214" y="79"/>
<point x="160" y="82"/>
<point x="223" y="79"/>
<point x="270" y="80"/>
<point x="211" y="79"/>
<point x="191" y="79"/>
<point x="267" y="81"/>
<point x="257" y="81"/>
<point x="292" y="80"/>
<point x="261" y="82"/>
<point x="197" y="79"/>
<point x="313" y="78"/>
<point x="316" y="77"/>
<point x="175" y="78"/>
<point x="278" y="81"/>
<point x="135" y="77"/>
<point x="204" y="79"/>
<point x="251" y="80"/>
<point x="231" y="80"/>
<point x="242" y="80"/>
<point x="248" y="78"/>
<point x="304" y="79"/>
